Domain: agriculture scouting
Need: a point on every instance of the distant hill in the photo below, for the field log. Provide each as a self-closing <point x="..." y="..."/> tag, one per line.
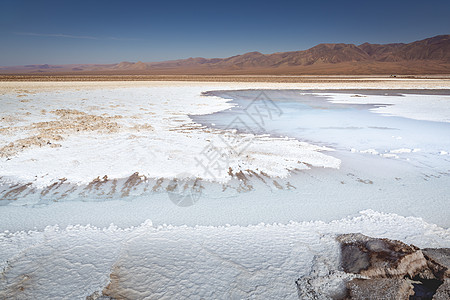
<point x="428" y="56"/>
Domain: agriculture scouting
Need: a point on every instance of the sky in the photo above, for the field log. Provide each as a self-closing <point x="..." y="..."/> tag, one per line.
<point x="101" y="31"/>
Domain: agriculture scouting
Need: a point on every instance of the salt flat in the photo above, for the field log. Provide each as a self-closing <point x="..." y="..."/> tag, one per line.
<point x="78" y="156"/>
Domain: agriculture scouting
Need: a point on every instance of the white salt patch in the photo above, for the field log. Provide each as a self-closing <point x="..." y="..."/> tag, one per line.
<point x="370" y="151"/>
<point x="402" y="150"/>
<point x="166" y="142"/>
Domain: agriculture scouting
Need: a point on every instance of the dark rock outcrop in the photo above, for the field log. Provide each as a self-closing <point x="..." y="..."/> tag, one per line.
<point x="393" y="270"/>
<point x="379" y="258"/>
<point x="373" y="268"/>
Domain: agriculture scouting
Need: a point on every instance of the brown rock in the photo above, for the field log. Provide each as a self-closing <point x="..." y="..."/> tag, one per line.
<point x="380" y="258"/>
<point x="443" y="292"/>
<point x="394" y="270"/>
<point x="380" y="288"/>
<point x="438" y="261"/>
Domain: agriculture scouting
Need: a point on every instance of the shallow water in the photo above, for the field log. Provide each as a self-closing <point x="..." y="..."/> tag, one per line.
<point x="388" y="164"/>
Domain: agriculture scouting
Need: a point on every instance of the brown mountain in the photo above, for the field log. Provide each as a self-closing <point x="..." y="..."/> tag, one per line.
<point x="139" y="66"/>
<point x="428" y="56"/>
<point x="433" y="49"/>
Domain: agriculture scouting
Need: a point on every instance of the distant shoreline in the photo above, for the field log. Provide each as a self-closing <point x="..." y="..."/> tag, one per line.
<point x="224" y="78"/>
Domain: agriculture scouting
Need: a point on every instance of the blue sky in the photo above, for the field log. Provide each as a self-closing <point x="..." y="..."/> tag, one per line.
<point x="62" y="32"/>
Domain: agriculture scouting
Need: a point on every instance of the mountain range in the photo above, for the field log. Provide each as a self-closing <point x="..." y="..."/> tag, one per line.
<point x="428" y="56"/>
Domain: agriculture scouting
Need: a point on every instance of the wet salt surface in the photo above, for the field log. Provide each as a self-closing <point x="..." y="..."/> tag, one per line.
<point x="318" y="194"/>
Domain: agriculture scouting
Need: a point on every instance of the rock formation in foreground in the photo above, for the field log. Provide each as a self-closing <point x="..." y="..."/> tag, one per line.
<point x="373" y="268"/>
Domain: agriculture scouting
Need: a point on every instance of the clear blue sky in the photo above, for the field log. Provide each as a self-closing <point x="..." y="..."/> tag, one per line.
<point x="101" y="31"/>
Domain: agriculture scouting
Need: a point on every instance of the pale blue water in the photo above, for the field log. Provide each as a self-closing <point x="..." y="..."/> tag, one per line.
<point x="312" y="118"/>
